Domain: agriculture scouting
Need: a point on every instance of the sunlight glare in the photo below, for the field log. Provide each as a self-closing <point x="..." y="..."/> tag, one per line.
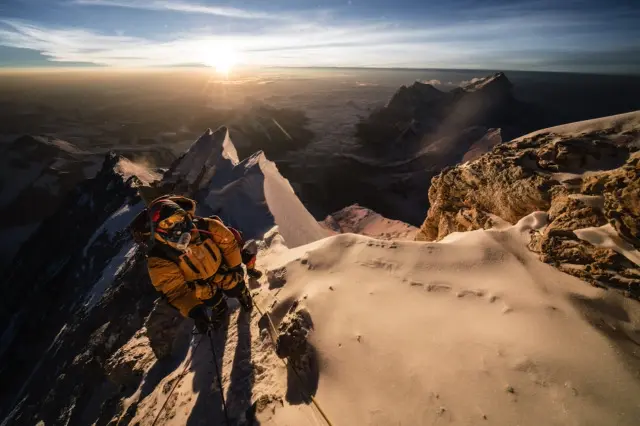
<point x="221" y="59"/>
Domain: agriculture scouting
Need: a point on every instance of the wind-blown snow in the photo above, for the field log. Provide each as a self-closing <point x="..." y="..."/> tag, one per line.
<point x="128" y="168"/>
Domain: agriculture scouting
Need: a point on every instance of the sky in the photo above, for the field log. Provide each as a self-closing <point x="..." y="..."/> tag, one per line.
<point x="595" y="36"/>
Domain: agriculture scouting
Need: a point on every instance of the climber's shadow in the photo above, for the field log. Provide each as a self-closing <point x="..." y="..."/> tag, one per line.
<point x="165" y="366"/>
<point x="242" y="377"/>
<point x="239" y="388"/>
<point x="207" y="409"/>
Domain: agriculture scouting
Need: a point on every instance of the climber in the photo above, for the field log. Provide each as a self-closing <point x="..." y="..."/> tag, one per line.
<point x="193" y="261"/>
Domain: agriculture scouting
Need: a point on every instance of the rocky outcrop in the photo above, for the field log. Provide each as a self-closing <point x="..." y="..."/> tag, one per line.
<point x="584" y="179"/>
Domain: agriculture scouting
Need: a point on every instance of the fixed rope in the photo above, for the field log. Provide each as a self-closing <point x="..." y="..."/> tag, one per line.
<point x="215" y="362"/>
<point x="289" y="364"/>
<point x="175" y="385"/>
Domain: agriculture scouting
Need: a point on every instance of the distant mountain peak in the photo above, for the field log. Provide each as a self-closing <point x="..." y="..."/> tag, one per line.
<point x="494" y="82"/>
<point x="414" y="95"/>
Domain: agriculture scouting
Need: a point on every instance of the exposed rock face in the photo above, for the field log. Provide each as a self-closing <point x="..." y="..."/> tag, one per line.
<point x="131" y="361"/>
<point x="162" y="326"/>
<point x="586" y="179"/>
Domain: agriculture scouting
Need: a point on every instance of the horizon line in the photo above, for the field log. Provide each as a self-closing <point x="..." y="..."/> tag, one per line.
<point x="195" y="67"/>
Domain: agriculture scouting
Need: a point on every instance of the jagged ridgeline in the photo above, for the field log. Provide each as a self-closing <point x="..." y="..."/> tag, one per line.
<point x="78" y="289"/>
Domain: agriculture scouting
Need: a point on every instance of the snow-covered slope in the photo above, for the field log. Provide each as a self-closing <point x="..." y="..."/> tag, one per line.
<point x="457" y="332"/>
<point x="620" y="124"/>
<point x="470" y="330"/>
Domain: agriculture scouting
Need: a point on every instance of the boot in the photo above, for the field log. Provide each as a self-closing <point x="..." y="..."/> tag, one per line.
<point x="254" y="273"/>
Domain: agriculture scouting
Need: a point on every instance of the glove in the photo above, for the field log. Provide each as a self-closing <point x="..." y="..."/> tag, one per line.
<point x="237" y="273"/>
<point x="200" y="319"/>
<point x="241" y="292"/>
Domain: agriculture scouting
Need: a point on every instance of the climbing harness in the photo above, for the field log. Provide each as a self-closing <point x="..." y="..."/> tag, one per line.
<point x="300" y="382"/>
<point x="175" y="385"/>
<point x="215" y="362"/>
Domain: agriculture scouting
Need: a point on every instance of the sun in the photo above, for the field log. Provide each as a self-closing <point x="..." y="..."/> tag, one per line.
<point x="221" y="59"/>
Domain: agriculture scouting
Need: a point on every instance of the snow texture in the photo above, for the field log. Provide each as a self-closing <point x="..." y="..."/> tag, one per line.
<point x="469" y="330"/>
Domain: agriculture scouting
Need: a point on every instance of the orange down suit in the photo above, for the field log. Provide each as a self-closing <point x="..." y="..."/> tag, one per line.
<point x="196" y="275"/>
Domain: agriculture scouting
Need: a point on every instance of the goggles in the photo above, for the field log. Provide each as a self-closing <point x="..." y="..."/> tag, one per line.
<point x="169" y="223"/>
<point x="176" y="229"/>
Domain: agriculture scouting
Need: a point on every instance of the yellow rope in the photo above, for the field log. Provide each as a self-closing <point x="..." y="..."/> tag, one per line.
<point x="300" y="382"/>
